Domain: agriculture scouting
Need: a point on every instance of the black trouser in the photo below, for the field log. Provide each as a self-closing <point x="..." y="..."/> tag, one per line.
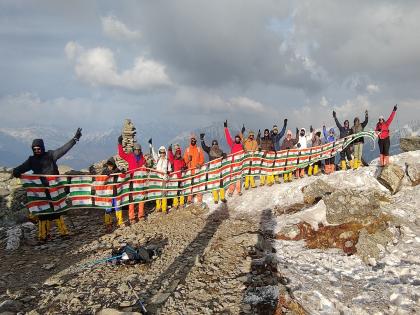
<point x="384" y="145"/>
<point x="344" y="153"/>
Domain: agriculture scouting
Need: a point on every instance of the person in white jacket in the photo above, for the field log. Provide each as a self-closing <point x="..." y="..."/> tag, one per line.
<point x="163" y="166"/>
<point x="304" y="142"/>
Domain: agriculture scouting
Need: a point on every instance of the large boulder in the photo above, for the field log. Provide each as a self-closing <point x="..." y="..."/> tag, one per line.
<point x="413" y="173"/>
<point x="391" y="177"/>
<point x="410" y="143"/>
<point x="347" y="205"/>
<point x="371" y="247"/>
<point x="316" y="191"/>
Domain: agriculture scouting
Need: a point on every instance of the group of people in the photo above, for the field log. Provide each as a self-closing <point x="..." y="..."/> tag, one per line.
<point x="173" y="160"/>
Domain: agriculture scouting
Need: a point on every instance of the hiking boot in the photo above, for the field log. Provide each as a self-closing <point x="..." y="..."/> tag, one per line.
<point x="216" y="202"/>
<point x="224" y="200"/>
<point x="240" y="193"/>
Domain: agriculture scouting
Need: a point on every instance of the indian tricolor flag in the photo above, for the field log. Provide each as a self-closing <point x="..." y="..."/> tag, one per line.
<point x="139" y="185"/>
<point x="80" y="190"/>
<point x="104" y="191"/>
<point x="34" y="193"/>
<point x="101" y="180"/>
<point x="81" y="201"/>
<point x="30" y="181"/>
<point x="103" y="202"/>
<point x="57" y="193"/>
<point x="38" y="206"/>
<point x="154" y="194"/>
<point x="60" y="205"/>
<point x="213" y="184"/>
<point x="138" y="196"/>
<point x="81" y="180"/>
<point x="122" y="200"/>
<point x="54" y="181"/>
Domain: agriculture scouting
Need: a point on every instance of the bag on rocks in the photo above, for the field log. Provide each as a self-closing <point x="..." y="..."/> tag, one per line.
<point x="129" y="255"/>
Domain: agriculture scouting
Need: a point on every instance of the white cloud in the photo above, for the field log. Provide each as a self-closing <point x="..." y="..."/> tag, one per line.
<point x="372" y="88"/>
<point x="97" y="66"/>
<point x="323" y="102"/>
<point x="114" y="28"/>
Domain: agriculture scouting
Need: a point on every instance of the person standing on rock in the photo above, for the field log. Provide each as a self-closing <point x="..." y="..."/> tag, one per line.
<point x="135" y="160"/>
<point x="179" y="166"/>
<point x="111" y="168"/>
<point x="214" y="152"/>
<point x="266" y="145"/>
<point x="316" y="142"/>
<point x="194" y="158"/>
<point x="344" y="132"/>
<point x="382" y="127"/>
<point x="303" y="143"/>
<point x="235" y="148"/>
<point x="45" y="163"/>
<point x="251" y="146"/>
<point x="276" y="136"/>
<point x="163" y="166"/>
<point x="289" y="143"/>
<point x="329" y="138"/>
<point x="358" y="143"/>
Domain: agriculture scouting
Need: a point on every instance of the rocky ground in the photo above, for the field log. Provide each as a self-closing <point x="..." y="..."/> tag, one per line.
<point x="337" y="244"/>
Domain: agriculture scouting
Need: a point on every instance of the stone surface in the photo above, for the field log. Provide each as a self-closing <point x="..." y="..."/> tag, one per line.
<point x="410" y="143"/>
<point x="111" y="311"/>
<point x="370" y="245"/>
<point x="316" y="190"/>
<point x="413" y="173"/>
<point x="391" y="177"/>
<point x="349" y="205"/>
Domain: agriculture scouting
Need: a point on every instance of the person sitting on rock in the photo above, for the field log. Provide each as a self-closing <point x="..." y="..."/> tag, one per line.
<point x="44" y="162"/>
<point x="111" y="168"/>
<point x="179" y="166"/>
<point x="135" y="161"/>
<point x="214" y="152"/>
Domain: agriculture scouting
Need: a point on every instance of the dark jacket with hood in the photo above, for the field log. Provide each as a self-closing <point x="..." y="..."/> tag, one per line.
<point x="214" y="151"/>
<point x="44" y="163"/>
<point x="344" y="132"/>
<point x="359" y="128"/>
<point x="277" y="136"/>
<point x="266" y="143"/>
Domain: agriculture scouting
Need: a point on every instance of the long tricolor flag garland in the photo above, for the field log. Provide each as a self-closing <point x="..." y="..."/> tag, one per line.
<point x="55" y="194"/>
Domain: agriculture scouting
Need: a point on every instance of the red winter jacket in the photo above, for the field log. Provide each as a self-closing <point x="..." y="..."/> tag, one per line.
<point x="177" y="164"/>
<point x="234" y="147"/>
<point x="130" y="158"/>
<point x="384" y="127"/>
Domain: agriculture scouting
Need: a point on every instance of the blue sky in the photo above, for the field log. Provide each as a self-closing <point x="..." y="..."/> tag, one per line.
<point x="94" y="63"/>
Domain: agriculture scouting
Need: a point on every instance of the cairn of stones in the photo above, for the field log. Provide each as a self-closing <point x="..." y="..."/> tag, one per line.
<point x="128" y="134"/>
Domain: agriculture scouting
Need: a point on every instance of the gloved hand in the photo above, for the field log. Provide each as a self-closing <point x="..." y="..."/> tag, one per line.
<point x="202" y="136"/>
<point x="366" y="113"/>
<point x="395" y="108"/>
<point x="285" y="121"/>
<point x="225" y="123"/>
<point x="224" y="155"/>
<point x="298" y="145"/>
<point x="259" y="133"/>
<point x="120" y="139"/>
<point x="297" y="130"/>
<point x="243" y="129"/>
<point x="311" y="129"/>
<point x="78" y="134"/>
<point x="150" y="141"/>
<point x="334" y="114"/>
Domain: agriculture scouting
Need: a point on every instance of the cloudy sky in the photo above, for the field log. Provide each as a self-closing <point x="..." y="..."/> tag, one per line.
<point x="190" y="62"/>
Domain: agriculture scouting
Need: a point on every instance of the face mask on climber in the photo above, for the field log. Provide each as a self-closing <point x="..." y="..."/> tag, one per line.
<point x="193" y="141"/>
<point x="237" y="140"/>
<point x="214" y="143"/>
<point x="302" y="132"/>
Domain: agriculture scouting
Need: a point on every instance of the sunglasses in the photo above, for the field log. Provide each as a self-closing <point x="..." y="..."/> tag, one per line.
<point x="162" y="152"/>
<point x="37" y="149"/>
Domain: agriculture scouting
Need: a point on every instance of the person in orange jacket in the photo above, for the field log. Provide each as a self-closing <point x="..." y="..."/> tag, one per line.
<point x="250" y="145"/>
<point x="194" y="158"/>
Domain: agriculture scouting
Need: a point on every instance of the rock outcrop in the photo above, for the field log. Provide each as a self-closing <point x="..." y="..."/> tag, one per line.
<point x="391" y="177"/>
<point x="410" y="143"/>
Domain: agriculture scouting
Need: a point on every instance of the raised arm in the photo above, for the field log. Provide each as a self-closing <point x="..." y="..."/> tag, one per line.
<point x="58" y="153"/>
<point x="23" y="168"/>
<point x="228" y="137"/>
<point x="283" y="130"/>
<point x="155" y="156"/>
<point x="205" y="148"/>
<point x="391" y="117"/>
<point x="324" y="131"/>
<point x="364" y="124"/>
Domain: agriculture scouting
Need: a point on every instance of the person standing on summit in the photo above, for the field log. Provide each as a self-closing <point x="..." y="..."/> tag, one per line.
<point x="344" y="132"/>
<point x="45" y="163"/>
<point x="235" y="147"/>
<point x="135" y="160"/>
<point x="276" y="136"/>
<point x="250" y="145"/>
<point x="194" y="159"/>
<point x="382" y="127"/>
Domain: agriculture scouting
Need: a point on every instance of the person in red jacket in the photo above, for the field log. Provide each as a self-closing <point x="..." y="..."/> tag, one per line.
<point x="235" y="147"/>
<point x="382" y="127"/>
<point x="135" y="160"/>
<point x="178" y="166"/>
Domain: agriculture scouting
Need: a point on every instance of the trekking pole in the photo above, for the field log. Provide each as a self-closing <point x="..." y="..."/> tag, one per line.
<point x="139" y="302"/>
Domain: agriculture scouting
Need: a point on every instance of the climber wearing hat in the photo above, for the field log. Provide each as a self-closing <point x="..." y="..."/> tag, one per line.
<point x="194" y="158"/>
<point x="250" y="145"/>
<point x="382" y="127"/>
<point x="235" y="147"/>
<point x="135" y="160"/>
<point x="329" y="137"/>
<point x="276" y="136"/>
<point x="45" y="163"/>
<point x="163" y="166"/>
<point x="266" y="145"/>
<point x="289" y="143"/>
<point x="178" y="165"/>
<point x="214" y="152"/>
<point x="344" y="132"/>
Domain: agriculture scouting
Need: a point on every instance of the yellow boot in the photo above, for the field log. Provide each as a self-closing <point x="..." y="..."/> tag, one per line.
<point x="277" y="179"/>
<point x="164" y="205"/>
<point x="262" y="180"/>
<point x="175" y="203"/>
<point x="108" y="222"/>
<point x="222" y="195"/>
<point x="119" y="216"/>
<point x="42" y="230"/>
<point x="315" y="169"/>
<point x="290" y="176"/>
<point x="286" y="177"/>
<point x="343" y="165"/>
<point x="246" y="185"/>
<point x="270" y="180"/>
<point x="310" y="170"/>
<point x="215" y="196"/>
<point x="158" y="205"/>
<point x="352" y="164"/>
<point x="62" y="229"/>
<point x="252" y="181"/>
<point x="181" y="201"/>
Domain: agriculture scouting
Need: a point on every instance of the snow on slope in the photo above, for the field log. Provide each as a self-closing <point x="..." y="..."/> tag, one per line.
<point x="329" y="281"/>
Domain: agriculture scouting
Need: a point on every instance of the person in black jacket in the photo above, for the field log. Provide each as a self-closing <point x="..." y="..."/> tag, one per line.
<point x="214" y="152"/>
<point x="344" y="132"/>
<point x="358" y="143"/>
<point x="45" y="163"/>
